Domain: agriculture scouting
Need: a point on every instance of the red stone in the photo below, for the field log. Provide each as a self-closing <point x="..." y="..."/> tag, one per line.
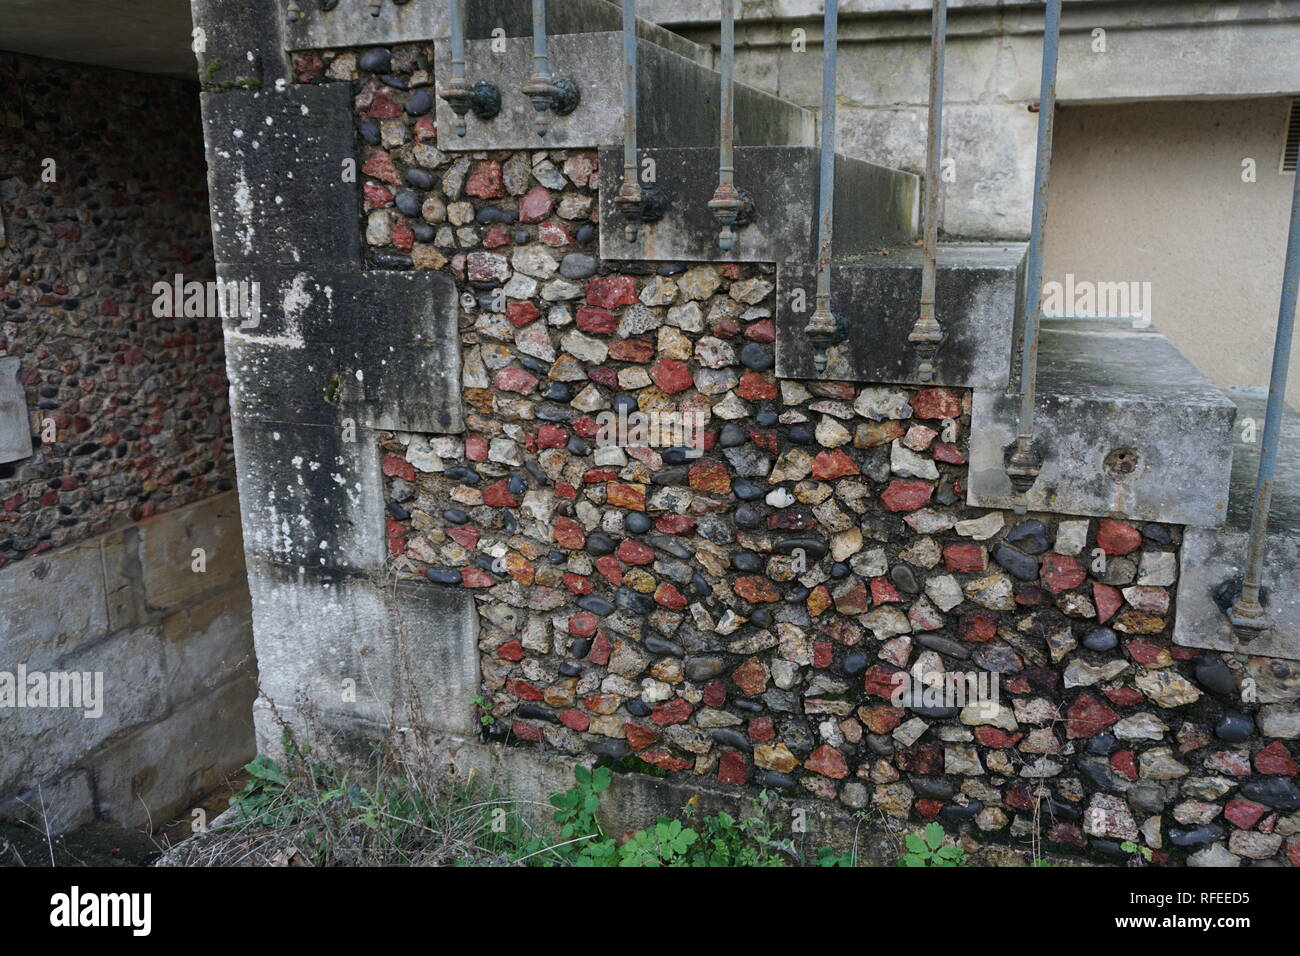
<point x="761" y="729"/>
<point x="881" y="681"/>
<point x="676" y="711"/>
<point x="553" y="235"/>
<point x="381" y="166"/>
<point x="731" y="769"/>
<point x="751" y="677"/>
<point x="1123" y="696"/>
<point x="484" y="180"/>
<point x="577" y="583"/>
<point x="995" y="738"/>
<point x="632" y="350"/>
<point x="638" y="737"/>
<point x="675" y="524"/>
<point x="1144" y="652"/>
<point x="395" y="467"/>
<point x="1124" y="764"/>
<point x="928" y="809"/>
<point x="403" y="237"/>
<point x="763" y="331"/>
<point x="1061" y="572"/>
<point x="475" y="578"/>
<point x="476" y="447"/>
<point x="881" y="718"/>
<point x="664" y="760"/>
<point x="523" y="689"/>
<point x="854" y="600"/>
<point x="668" y="596"/>
<point x="596" y="321"/>
<point x="945" y="452"/>
<point x="978" y="626"/>
<point x="567" y="533"/>
<point x="515" y="380"/>
<point x="511" y="651"/>
<point x="609" y="569"/>
<point x="756" y="590"/>
<point x="634" y="552"/>
<point x="551" y="436"/>
<point x="1242" y="813"/>
<point x="583" y="624"/>
<point x="1276" y="759"/>
<point x="526" y="731"/>
<point x="883" y="591"/>
<point x="619" y="495"/>
<point x="498" y="495"/>
<point x="377" y="197"/>
<point x="935" y="403"/>
<point x="828" y="762"/>
<point x="609" y="292"/>
<point x="756" y="387"/>
<point x="520" y="313"/>
<point x="395" y="532"/>
<point x="383" y="106"/>
<point x="1020" y="797"/>
<point x="599" y="653"/>
<point x="1117" y="537"/>
<point x="964" y="557"/>
<point x="822" y="655"/>
<point x="829" y="465"/>
<point x="715" y="692"/>
<point x="575" y="719"/>
<point x="496" y="237"/>
<point x="671" y="375"/>
<point x="1107" y="599"/>
<point x="709" y="476"/>
<point x="903" y="495"/>
<point x="1088" y="717"/>
<point x="536" y="205"/>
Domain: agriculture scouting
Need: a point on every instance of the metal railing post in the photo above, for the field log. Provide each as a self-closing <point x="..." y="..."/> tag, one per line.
<point x="730" y="206"/>
<point x="558" y="95"/>
<point x="483" y="98"/>
<point x="1247" y="614"/>
<point x="638" y="203"/>
<point x="927" y="334"/>
<point x="1025" y="462"/>
<point x="824" y="328"/>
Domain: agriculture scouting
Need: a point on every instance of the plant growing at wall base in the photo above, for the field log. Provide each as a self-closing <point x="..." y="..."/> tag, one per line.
<point x="927" y="849"/>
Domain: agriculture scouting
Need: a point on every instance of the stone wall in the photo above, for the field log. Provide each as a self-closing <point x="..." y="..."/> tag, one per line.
<point x="102" y="194"/>
<point x="646" y="606"/>
<point x="137" y="403"/>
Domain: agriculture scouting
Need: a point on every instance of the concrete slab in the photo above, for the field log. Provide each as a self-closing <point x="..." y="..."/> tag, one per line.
<point x="1211" y="557"/>
<point x="978" y="295"/>
<point x="875" y="206"/>
<point x="275" y="175"/>
<point x="167" y="543"/>
<point x="15" y="420"/>
<point x="1107" y="391"/>
<point x="677" y="99"/>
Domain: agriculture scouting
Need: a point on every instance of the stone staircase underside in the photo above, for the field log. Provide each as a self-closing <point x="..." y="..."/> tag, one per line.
<point x="1212" y="556"/>
<point x="1127" y="427"/>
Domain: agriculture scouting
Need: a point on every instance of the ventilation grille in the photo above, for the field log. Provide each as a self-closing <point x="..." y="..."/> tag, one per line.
<point x="1292" y="145"/>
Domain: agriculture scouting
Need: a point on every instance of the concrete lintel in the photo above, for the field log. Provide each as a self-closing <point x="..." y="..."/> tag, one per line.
<point x="1126" y="427"/>
<point x="15" y="420"/>
<point x="875" y="206"/>
<point x="977" y="298"/>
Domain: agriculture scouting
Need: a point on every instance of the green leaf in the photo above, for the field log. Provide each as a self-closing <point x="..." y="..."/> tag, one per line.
<point x="582" y="774"/>
<point x="933" y="835"/>
<point x="915" y="844"/>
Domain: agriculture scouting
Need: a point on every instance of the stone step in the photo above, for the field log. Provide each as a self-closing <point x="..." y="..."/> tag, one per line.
<point x="1212" y="557"/>
<point x="875" y="206"/>
<point x="1127" y="427"/>
<point x="978" y="294"/>
<point x="677" y="98"/>
<point x="351" y="25"/>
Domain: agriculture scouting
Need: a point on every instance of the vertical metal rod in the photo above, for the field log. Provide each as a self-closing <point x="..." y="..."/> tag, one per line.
<point x="730" y="206"/>
<point x="457" y="41"/>
<point x="629" y="193"/>
<point x="1025" y="462"/>
<point x="823" y="326"/>
<point x="927" y="334"/>
<point x="1247" y="612"/>
<point x="541" y="78"/>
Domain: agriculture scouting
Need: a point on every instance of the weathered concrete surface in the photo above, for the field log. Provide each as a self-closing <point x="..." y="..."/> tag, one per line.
<point x="15" y="427"/>
<point x="350" y="24"/>
<point x="174" y="647"/>
<point x="240" y="44"/>
<point x="1103" y="388"/>
<point x="379" y="347"/>
<point x="276" y="176"/>
<point x="344" y="646"/>
<point x="1211" y="557"/>
<point x="977" y="299"/>
<point x="875" y="206"/>
<point x="677" y="99"/>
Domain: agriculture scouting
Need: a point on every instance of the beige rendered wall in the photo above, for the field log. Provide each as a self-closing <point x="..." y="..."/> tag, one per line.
<point x="1153" y="192"/>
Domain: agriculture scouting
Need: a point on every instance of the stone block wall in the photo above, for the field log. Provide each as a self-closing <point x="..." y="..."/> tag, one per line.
<point x="645" y="606"/>
<point x="102" y="194"/>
